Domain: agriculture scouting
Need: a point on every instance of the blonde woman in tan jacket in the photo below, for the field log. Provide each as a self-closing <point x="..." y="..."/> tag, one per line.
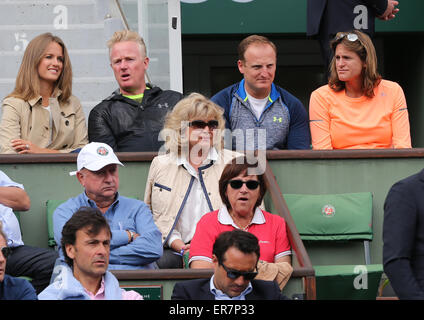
<point x="41" y="115"/>
<point x="183" y="181"/>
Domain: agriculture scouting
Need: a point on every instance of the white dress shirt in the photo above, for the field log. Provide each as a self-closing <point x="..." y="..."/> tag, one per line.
<point x="7" y="216"/>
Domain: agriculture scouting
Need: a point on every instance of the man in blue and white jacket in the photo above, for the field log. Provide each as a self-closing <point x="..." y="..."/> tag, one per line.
<point x="85" y="243"/>
<point x="260" y="114"/>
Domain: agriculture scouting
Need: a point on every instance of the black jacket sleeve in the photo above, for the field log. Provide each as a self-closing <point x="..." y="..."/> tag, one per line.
<point x="99" y="129"/>
<point x="400" y="238"/>
<point x="378" y="6"/>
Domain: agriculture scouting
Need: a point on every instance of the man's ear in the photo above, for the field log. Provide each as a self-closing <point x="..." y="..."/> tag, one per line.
<point x="80" y="177"/>
<point x="146" y="62"/>
<point x="70" y="250"/>
<point x="215" y="261"/>
<point x="240" y="66"/>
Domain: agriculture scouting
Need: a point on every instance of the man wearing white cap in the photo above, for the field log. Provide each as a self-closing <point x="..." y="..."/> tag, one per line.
<point x="136" y="241"/>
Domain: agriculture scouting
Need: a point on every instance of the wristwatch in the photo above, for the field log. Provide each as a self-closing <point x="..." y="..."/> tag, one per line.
<point x="132" y="233"/>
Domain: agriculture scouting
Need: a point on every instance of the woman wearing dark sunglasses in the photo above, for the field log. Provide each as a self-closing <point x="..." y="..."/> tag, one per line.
<point x="12" y="288"/>
<point x="182" y="182"/>
<point x="358" y="109"/>
<point x="242" y="191"/>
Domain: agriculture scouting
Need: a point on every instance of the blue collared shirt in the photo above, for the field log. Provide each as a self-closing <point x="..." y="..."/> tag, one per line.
<point x="124" y="214"/>
<point x="219" y="295"/>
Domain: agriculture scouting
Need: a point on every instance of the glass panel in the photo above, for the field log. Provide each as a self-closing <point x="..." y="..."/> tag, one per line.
<point x="150" y="19"/>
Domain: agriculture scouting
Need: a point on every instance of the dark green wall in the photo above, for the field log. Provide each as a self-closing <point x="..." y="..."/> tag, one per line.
<point x="213" y="29"/>
<point x="276" y="16"/>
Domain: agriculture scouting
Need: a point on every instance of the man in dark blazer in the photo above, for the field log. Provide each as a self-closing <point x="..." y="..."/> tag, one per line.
<point x="327" y="17"/>
<point x="235" y="256"/>
<point x="403" y="237"/>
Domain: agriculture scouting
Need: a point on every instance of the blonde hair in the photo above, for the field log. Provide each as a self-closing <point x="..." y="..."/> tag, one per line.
<point x="27" y="84"/>
<point x="364" y="48"/>
<point x="193" y="107"/>
<point x="127" y="35"/>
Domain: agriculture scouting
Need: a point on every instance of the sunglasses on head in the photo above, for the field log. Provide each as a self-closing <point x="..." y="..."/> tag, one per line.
<point x="234" y="274"/>
<point x="352" y="37"/>
<point x="6" y="251"/>
<point x="199" y="124"/>
<point x="250" y="184"/>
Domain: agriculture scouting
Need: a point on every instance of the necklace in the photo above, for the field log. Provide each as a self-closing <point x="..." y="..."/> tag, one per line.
<point x="238" y="224"/>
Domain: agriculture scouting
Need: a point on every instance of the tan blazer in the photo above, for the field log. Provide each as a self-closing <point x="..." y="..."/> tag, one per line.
<point x="167" y="186"/>
<point x="28" y="120"/>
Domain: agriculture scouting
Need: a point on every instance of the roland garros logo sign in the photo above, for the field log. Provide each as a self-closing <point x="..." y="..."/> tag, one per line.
<point x="328" y="211"/>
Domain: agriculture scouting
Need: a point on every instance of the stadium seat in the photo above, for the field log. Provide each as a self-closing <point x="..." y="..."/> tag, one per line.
<point x="342" y="218"/>
<point x="51" y="206"/>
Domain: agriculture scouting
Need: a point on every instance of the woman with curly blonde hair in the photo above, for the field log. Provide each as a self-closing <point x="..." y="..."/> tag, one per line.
<point x="183" y="182"/>
<point x="358" y="109"/>
<point x="41" y="115"/>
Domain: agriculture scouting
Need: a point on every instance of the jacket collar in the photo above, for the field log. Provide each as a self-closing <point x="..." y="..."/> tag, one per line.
<point x="225" y="218"/>
<point x="212" y="156"/>
<point x="56" y="93"/>
<point x="68" y="287"/>
<point x="273" y="95"/>
<point x="116" y="95"/>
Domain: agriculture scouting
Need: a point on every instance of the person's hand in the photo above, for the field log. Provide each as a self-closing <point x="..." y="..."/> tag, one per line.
<point x="391" y="10"/>
<point x="24" y="146"/>
<point x="186" y="248"/>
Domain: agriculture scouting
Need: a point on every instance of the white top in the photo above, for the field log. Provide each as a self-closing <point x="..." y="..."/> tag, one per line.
<point x="196" y="205"/>
<point x="7" y="216"/>
<point x="258" y="105"/>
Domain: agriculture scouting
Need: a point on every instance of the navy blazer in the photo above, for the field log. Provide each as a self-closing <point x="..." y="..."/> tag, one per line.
<point x="403" y="237"/>
<point x="199" y="289"/>
<point x="338" y="15"/>
<point x="12" y="288"/>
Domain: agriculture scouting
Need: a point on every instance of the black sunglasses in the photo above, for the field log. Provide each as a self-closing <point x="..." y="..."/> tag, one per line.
<point x="250" y="184"/>
<point x="199" y="124"/>
<point x="234" y="274"/>
<point x="6" y="251"/>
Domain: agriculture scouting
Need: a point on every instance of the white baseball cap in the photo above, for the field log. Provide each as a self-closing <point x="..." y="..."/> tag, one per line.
<point x="95" y="156"/>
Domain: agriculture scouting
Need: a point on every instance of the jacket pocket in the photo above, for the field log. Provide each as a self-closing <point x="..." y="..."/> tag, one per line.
<point x="161" y="186"/>
<point x="161" y="197"/>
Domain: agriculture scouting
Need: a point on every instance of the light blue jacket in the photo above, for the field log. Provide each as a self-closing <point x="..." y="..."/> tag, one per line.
<point x="124" y="214"/>
<point x="67" y="287"/>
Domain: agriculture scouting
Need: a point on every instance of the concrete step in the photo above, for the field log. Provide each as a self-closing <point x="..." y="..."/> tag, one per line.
<point x="53" y="12"/>
<point x="77" y="36"/>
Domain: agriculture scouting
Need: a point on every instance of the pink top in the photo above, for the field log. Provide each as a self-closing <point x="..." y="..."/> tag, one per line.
<point x="270" y="229"/>
<point x="126" y="295"/>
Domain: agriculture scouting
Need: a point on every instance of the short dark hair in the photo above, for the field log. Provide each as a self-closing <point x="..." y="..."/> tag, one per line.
<point x="244" y="241"/>
<point x="233" y="169"/>
<point x="84" y="217"/>
<point x="253" y="39"/>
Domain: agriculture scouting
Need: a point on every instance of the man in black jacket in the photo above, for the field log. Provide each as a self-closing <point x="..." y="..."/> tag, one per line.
<point x="327" y="17"/>
<point x="132" y="117"/>
<point x="235" y="256"/>
<point x="403" y="241"/>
